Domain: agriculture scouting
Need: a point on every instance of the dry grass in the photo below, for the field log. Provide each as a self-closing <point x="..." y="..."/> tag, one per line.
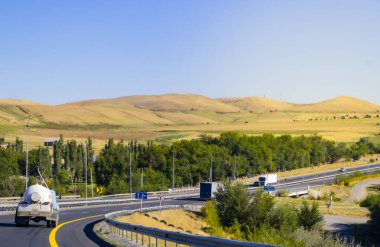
<point x="157" y="117"/>
<point x="181" y="220"/>
<point x="346" y="211"/>
<point x="339" y="208"/>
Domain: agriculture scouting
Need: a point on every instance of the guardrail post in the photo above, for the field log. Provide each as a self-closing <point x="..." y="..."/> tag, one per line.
<point x="131" y="236"/>
<point x="142" y="239"/>
<point x="149" y="242"/>
<point x="137" y="238"/>
<point x="156" y="242"/>
<point x="165" y="243"/>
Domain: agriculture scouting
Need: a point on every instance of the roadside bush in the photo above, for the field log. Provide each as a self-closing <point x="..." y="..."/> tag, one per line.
<point x="309" y="216"/>
<point x="117" y="186"/>
<point x="284" y="217"/>
<point x="210" y="214"/>
<point x="12" y="187"/>
<point x="317" y="238"/>
<point x="232" y="202"/>
<point x="282" y="193"/>
<point x="63" y="177"/>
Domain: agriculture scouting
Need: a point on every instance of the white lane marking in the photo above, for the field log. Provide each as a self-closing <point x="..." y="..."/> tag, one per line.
<point x="85" y="212"/>
<point x="63" y="213"/>
<point x="105" y="210"/>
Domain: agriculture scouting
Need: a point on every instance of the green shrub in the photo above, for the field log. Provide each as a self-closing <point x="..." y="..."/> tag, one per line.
<point x="309" y="216"/>
<point x="117" y="186"/>
<point x="210" y="214"/>
<point x="284" y="217"/>
<point x="282" y="193"/>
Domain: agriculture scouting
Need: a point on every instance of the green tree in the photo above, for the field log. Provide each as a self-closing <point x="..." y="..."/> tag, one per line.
<point x="233" y="204"/>
<point x="309" y="216"/>
<point x="284" y="218"/>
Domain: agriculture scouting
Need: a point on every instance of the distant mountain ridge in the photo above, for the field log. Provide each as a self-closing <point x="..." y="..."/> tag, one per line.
<point x="170" y="109"/>
<point x="339" y="104"/>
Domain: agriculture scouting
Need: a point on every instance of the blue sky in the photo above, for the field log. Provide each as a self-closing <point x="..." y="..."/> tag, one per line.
<point x="55" y="52"/>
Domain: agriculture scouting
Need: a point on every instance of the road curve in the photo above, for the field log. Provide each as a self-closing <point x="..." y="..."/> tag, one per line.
<point x="359" y="191"/>
<point x="77" y="233"/>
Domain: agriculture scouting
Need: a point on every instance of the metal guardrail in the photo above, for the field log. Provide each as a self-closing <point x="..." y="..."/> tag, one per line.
<point x="154" y="193"/>
<point x="279" y="185"/>
<point x="131" y="232"/>
<point x="12" y="207"/>
<point x="97" y="201"/>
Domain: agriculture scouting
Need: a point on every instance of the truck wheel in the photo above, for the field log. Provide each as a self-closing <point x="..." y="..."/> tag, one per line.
<point x="48" y="223"/>
<point x="53" y="223"/>
<point x="20" y="221"/>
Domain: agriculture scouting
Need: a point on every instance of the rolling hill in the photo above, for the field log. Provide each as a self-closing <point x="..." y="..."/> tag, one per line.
<point x="165" y="102"/>
<point x="341" y="104"/>
<point x="184" y="116"/>
<point x="169" y="109"/>
<point x="257" y="104"/>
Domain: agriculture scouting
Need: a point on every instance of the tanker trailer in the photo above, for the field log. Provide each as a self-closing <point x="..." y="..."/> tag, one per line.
<point x="38" y="203"/>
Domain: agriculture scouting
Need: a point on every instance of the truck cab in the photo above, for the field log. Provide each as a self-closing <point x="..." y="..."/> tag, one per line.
<point x="267" y="179"/>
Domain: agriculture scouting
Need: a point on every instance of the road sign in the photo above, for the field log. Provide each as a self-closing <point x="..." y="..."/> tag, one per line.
<point x="141" y="195"/>
<point x="269" y="188"/>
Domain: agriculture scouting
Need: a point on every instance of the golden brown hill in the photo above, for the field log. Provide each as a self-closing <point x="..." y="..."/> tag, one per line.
<point x="165" y="102"/>
<point x="169" y="109"/>
<point x="341" y="104"/>
<point x="17" y="102"/>
<point x="257" y="104"/>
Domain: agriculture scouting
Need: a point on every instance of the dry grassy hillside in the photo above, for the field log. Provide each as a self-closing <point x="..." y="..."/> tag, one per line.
<point x="165" y="102"/>
<point x="257" y="104"/>
<point x="170" y="117"/>
<point x="342" y="104"/>
<point x="17" y="102"/>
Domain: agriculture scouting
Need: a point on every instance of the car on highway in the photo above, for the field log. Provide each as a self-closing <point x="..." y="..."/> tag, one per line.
<point x="342" y="169"/>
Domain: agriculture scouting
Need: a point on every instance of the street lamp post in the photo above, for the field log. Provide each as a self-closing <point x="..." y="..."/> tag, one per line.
<point x="173" y="174"/>
<point x="235" y="168"/>
<point x="85" y="160"/>
<point x="130" y="171"/>
<point x="210" y="165"/>
<point x="30" y="117"/>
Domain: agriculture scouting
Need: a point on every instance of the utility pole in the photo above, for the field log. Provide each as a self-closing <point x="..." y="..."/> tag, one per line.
<point x="92" y="187"/>
<point x="30" y="117"/>
<point x="235" y="168"/>
<point x="210" y="167"/>
<point x="173" y="184"/>
<point x="130" y="170"/>
<point x="142" y="179"/>
<point x="85" y="160"/>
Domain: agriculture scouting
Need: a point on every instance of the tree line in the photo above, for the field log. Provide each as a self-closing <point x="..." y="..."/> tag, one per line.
<point x="152" y="164"/>
<point x="192" y="158"/>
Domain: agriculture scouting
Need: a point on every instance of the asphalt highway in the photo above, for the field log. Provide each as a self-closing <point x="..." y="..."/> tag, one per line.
<point x="78" y="233"/>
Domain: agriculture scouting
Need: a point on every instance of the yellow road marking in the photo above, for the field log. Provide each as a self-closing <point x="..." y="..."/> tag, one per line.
<point x="53" y="242"/>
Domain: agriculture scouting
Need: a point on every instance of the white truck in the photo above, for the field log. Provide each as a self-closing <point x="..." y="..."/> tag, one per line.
<point x="267" y="179"/>
<point x="38" y="203"/>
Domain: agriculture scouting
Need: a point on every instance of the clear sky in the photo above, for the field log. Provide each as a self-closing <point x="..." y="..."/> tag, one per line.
<point x="55" y="52"/>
